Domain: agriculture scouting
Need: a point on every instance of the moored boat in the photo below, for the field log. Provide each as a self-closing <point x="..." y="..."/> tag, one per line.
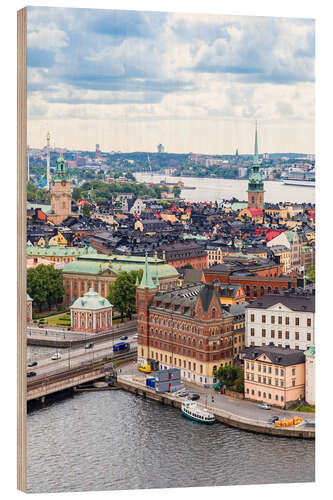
<point x="192" y="411"/>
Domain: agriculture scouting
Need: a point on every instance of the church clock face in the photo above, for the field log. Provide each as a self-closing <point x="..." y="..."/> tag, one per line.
<point x="63" y="183"/>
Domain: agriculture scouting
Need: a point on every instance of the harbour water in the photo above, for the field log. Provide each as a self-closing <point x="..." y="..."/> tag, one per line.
<point x="113" y="440"/>
<point x="217" y="189"/>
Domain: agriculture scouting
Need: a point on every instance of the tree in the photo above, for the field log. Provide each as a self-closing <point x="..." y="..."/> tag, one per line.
<point x="176" y="191"/>
<point x="122" y="292"/>
<point x="231" y="377"/>
<point x="86" y="210"/>
<point x="44" y="285"/>
<point x="76" y="194"/>
<point x="188" y="266"/>
<point x="311" y="273"/>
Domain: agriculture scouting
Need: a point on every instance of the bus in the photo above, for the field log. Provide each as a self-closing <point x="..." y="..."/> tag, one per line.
<point x="121" y="347"/>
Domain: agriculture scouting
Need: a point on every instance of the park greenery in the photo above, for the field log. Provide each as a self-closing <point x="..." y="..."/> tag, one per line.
<point x="44" y="285"/>
<point x="102" y="192"/>
<point x="36" y="194"/>
<point x="230" y="376"/>
<point x="122" y="293"/>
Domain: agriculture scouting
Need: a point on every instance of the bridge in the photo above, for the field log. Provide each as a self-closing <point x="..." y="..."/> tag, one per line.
<point x="56" y="380"/>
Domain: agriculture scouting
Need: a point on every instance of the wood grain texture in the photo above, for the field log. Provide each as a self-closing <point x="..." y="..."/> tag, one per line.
<point x="21" y="247"/>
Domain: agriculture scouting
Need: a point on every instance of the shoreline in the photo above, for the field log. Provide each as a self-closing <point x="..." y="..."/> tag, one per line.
<point x="225" y="417"/>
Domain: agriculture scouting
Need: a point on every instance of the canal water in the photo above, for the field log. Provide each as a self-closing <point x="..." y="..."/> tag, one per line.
<point x="210" y="189"/>
<point x="113" y="440"/>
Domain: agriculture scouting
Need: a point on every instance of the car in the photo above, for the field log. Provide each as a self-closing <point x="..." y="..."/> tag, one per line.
<point x="89" y="345"/>
<point x="273" y="419"/>
<point x="123" y="337"/>
<point x="144" y="368"/>
<point x="194" y="397"/>
<point x="182" y="394"/>
<point x="32" y="363"/>
<point x="55" y="356"/>
<point x="264" y="406"/>
<point x="31" y="374"/>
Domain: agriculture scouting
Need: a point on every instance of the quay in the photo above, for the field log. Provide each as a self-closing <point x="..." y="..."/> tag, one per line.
<point x="132" y="384"/>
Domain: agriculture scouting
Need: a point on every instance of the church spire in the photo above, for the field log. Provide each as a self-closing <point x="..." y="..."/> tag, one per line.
<point x="147" y="281"/>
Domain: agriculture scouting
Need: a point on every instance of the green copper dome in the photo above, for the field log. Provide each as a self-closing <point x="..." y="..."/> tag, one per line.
<point x="61" y="172"/>
<point x="91" y="301"/>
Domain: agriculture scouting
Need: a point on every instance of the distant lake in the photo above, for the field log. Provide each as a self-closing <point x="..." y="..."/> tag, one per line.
<point x="211" y="189"/>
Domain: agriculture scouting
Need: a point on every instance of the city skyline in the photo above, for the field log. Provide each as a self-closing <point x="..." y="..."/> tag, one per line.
<point x="196" y="83"/>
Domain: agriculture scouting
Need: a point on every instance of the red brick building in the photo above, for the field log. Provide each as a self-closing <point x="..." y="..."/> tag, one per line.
<point x="181" y="253"/>
<point x="185" y="328"/>
<point x="254" y="282"/>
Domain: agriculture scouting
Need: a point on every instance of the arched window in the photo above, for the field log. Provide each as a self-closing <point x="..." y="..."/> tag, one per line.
<point x="247" y="290"/>
<point x="262" y="290"/>
<point x="213" y="312"/>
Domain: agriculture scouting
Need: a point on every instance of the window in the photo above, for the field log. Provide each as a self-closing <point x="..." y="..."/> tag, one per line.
<point x="272" y="320"/>
<point x="263" y="332"/>
<point x="276" y="382"/>
<point x="259" y="379"/>
<point x="269" y="381"/>
<point x="264" y="395"/>
<point x="259" y="368"/>
<point x="247" y="376"/>
<point x="247" y="365"/>
<point x="264" y="380"/>
<point x="252" y="392"/>
<point x="247" y="391"/>
<point x="264" y="369"/>
<point x="252" y="366"/>
<point x="296" y="335"/>
<point x="269" y="369"/>
<point x="308" y="322"/>
<point x="297" y="321"/>
<point x="252" y="318"/>
<point x="293" y="382"/>
<point x="252" y="377"/>
<point x="280" y="334"/>
<point x="287" y="320"/>
<point x="259" y="394"/>
<point x="263" y="318"/>
<point x="252" y="332"/>
<point x="282" y="373"/>
<point x="308" y="336"/>
<point x="272" y="334"/>
<point x="280" y="320"/>
<point x="269" y="396"/>
<point x="281" y="398"/>
<point x="287" y="335"/>
<point x="281" y="383"/>
<point x="276" y="397"/>
<point x="293" y="371"/>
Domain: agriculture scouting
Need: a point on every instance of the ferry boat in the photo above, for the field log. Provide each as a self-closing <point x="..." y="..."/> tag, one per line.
<point x="192" y="411"/>
<point x="302" y="183"/>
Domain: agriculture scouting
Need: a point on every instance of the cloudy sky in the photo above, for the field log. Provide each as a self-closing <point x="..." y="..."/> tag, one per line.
<point x="130" y="80"/>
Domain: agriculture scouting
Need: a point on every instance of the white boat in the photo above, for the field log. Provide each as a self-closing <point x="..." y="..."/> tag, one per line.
<point x="192" y="411"/>
<point x="295" y="182"/>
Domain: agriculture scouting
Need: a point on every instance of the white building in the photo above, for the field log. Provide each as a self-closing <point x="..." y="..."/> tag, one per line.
<point x="284" y="320"/>
<point x="91" y="313"/>
<point x="310" y="368"/>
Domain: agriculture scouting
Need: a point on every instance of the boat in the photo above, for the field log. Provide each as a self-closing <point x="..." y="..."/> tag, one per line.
<point x="302" y="183"/>
<point x="192" y="411"/>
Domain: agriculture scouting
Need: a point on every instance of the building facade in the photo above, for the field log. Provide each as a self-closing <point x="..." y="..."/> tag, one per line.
<point x="61" y="197"/>
<point x="184" y="328"/>
<point x="91" y="313"/>
<point x="285" y="320"/>
<point x="274" y="375"/>
<point x="310" y="372"/>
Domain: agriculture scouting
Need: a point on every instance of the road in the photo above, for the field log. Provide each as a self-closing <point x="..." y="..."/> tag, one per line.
<point x="239" y="407"/>
<point x="73" y="357"/>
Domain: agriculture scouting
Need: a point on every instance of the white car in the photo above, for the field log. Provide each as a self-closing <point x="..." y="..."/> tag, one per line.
<point x="264" y="406"/>
<point x="56" y="356"/>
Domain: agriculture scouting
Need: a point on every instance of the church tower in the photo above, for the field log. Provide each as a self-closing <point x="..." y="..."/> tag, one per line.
<point x="256" y="184"/>
<point x="61" y="197"/>
<point x="144" y="295"/>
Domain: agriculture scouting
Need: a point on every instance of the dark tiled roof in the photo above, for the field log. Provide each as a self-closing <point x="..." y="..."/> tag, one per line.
<point x="277" y="355"/>
<point x="301" y="303"/>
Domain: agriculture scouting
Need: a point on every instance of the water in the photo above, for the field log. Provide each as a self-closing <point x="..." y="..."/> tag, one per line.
<point x="113" y="440"/>
<point x="217" y="189"/>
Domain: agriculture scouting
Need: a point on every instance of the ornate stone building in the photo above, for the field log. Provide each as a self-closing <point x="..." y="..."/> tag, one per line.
<point x="184" y="328"/>
<point x="91" y="313"/>
<point x="256" y="184"/>
<point x="61" y="198"/>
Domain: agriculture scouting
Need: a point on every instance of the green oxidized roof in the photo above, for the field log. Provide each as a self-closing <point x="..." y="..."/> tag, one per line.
<point x="238" y="206"/>
<point x="147" y="281"/>
<point x="61" y="172"/>
<point x="311" y="351"/>
<point x="44" y="208"/>
<point x="91" y="300"/>
<point x="56" y="251"/>
<point x="89" y="264"/>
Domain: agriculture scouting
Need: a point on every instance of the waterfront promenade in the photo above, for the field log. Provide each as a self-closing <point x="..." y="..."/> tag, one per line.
<point x="236" y="413"/>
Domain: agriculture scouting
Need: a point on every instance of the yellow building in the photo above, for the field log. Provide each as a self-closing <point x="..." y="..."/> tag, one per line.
<point x="274" y="375"/>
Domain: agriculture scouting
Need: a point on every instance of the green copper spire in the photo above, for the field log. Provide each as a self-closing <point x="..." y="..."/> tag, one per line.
<point x="255" y="180"/>
<point x="147" y="281"/>
<point x="61" y="172"/>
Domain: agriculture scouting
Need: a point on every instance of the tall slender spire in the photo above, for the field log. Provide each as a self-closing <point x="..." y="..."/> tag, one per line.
<point x="147" y="281"/>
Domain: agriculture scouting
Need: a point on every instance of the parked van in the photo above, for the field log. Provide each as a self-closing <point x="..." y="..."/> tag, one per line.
<point x="144" y="368"/>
